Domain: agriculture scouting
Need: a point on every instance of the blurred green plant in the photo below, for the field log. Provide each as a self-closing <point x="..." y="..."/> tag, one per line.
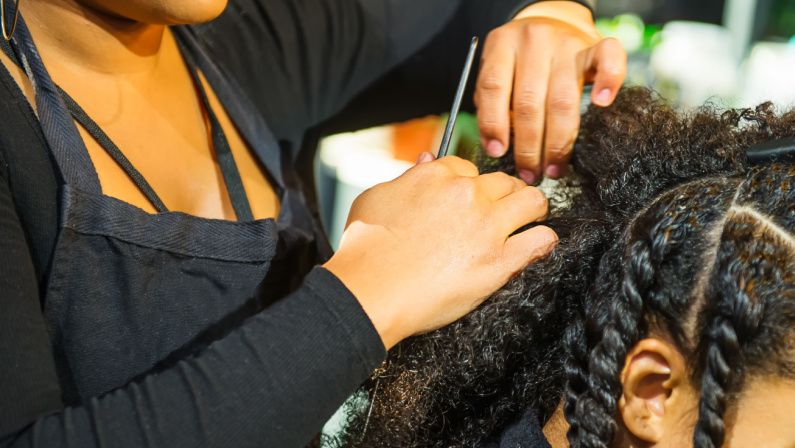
<point x="782" y="20"/>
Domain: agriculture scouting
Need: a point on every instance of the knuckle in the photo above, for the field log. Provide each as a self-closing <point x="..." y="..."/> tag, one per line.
<point x="560" y="146"/>
<point x="495" y="36"/>
<point x="491" y="82"/>
<point x="509" y="182"/>
<point x="528" y="147"/>
<point x="488" y="123"/>
<point x="489" y="129"/>
<point x="558" y="151"/>
<point x="564" y="103"/>
<point x="502" y="177"/>
<point x="537" y="30"/>
<point x="537" y="198"/>
<point x="613" y="71"/>
<point x="527" y="157"/>
<point x="501" y="183"/>
<point x="527" y="106"/>
<point x="468" y="167"/>
<point x="437" y="168"/>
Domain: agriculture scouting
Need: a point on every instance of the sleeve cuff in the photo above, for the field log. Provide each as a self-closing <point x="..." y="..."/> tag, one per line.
<point x="526" y="3"/>
<point x="339" y="300"/>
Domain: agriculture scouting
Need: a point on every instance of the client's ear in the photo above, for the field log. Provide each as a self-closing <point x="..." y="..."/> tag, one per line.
<point x="655" y="391"/>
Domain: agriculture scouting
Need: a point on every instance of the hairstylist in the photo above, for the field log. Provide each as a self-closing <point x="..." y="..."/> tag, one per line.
<point x="158" y="230"/>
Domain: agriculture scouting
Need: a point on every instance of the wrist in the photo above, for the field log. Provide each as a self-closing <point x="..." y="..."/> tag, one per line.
<point x="568" y="11"/>
<point x="369" y="292"/>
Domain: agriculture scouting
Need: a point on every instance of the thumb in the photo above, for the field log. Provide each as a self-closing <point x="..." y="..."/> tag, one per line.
<point x="528" y="246"/>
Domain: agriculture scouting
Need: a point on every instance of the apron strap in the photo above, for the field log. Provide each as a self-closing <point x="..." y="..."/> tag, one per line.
<point x="80" y="115"/>
<point x="74" y="174"/>
<point x="59" y="129"/>
<point x="243" y="113"/>
<point x="102" y="138"/>
<point x="234" y="184"/>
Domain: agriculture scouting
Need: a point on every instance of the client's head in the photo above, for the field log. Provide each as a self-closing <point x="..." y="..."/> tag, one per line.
<point x="688" y="330"/>
<point x="665" y="316"/>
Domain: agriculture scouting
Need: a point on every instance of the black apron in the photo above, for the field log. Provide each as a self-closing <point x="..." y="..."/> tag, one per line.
<point x="131" y="292"/>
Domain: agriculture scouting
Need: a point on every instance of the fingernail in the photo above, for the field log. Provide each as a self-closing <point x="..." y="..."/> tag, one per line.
<point x="494" y="148"/>
<point x="552" y="172"/>
<point x="602" y="98"/>
<point x="528" y="177"/>
<point x="425" y="156"/>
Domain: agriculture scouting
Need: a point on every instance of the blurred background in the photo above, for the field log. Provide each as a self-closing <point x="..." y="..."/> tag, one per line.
<point x="733" y="53"/>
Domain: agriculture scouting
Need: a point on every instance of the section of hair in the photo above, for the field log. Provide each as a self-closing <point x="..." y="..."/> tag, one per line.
<point x="651" y="187"/>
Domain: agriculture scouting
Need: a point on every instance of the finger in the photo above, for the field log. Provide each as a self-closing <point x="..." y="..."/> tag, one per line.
<point x="529" y="100"/>
<point x="528" y="246"/>
<point x="498" y="185"/>
<point x="459" y="166"/>
<point x="424" y="157"/>
<point x="519" y="209"/>
<point x="562" y="116"/>
<point x="493" y="93"/>
<point x="604" y="64"/>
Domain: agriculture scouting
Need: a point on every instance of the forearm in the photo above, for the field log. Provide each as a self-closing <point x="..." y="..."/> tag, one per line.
<point x="274" y="381"/>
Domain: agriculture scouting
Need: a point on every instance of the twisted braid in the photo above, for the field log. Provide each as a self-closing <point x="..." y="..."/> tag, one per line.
<point x="732" y="318"/>
<point x="594" y="410"/>
<point x="577" y="375"/>
<point x="722" y="347"/>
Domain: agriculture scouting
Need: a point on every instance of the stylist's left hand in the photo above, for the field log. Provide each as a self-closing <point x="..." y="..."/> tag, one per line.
<point x="536" y="66"/>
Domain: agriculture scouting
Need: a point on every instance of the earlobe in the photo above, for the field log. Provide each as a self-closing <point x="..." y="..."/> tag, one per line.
<point x="652" y="371"/>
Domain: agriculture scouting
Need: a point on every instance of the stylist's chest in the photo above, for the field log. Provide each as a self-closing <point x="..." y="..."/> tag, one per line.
<point x="158" y="123"/>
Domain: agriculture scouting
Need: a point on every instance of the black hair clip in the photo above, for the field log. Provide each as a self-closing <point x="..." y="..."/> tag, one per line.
<point x="781" y="150"/>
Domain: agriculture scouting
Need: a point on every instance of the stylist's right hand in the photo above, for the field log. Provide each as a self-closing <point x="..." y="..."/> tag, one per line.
<point x="423" y="250"/>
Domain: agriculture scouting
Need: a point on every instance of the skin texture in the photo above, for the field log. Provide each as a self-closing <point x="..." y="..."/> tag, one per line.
<point x="762" y="415"/>
<point x="161" y="12"/>
<point x="659" y="405"/>
<point x="531" y="80"/>
<point x="556" y="428"/>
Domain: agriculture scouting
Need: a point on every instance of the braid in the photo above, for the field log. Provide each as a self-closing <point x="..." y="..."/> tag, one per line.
<point x="720" y="346"/>
<point x="710" y="429"/>
<point x="594" y="408"/>
<point x="577" y="356"/>
<point x="732" y="317"/>
<point x="576" y="374"/>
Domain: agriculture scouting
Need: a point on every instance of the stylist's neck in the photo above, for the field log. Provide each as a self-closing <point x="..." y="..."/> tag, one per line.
<point x="85" y="37"/>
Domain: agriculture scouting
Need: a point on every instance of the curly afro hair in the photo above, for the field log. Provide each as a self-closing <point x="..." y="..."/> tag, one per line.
<point x="664" y="226"/>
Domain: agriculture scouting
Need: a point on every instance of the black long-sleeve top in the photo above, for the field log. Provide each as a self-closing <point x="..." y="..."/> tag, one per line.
<point x="310" y="67"/>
